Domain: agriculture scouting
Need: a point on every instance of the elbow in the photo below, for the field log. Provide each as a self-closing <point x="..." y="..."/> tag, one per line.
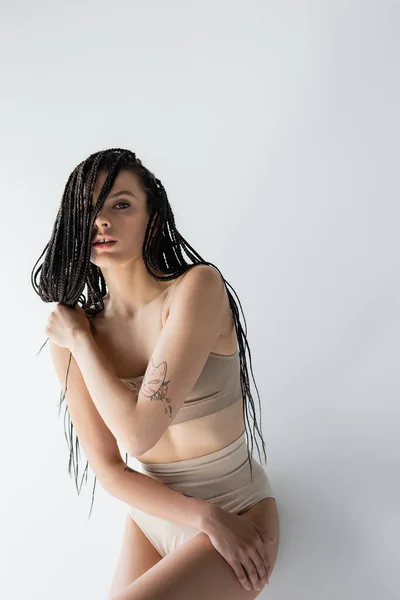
<point x="139" y="447"/>
<point x="140" y="441"/>
<point x="134" y="449"/>
<point x="130" y="443"/>
<point x="134" y="453"/>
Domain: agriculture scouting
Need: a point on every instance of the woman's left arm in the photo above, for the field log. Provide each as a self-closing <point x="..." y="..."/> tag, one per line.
<point x="115" y="402"/>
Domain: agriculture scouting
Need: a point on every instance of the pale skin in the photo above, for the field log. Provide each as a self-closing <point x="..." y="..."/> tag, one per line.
<point x="195" y="569"/>
<point x="155" y="386"/>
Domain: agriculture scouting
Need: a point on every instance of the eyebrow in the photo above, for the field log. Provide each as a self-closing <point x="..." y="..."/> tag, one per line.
<point x="115" y="194"/>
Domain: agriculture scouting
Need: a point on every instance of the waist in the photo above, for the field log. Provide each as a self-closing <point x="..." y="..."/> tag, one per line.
<point x="198" y="437"/>
<point x="215" y="463"/>
<point x="222" y="476"/>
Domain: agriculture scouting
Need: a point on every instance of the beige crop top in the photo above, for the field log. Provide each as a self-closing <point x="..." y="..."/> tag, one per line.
<point x="218" y="385"/>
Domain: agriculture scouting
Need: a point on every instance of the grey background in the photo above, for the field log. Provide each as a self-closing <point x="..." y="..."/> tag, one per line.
<point x="274" y="128"/>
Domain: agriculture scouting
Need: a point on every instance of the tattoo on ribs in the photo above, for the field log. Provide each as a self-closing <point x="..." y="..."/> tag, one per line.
<point x="155" y="385"/>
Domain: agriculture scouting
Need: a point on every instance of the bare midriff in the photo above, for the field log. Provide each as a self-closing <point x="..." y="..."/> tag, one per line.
<point x="119" y="342"/>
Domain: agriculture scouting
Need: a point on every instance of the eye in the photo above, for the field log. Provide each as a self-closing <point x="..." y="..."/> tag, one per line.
<point x="127" y="204"/>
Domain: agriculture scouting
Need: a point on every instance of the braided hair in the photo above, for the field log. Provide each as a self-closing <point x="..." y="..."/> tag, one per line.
<point x="66" y="271"/>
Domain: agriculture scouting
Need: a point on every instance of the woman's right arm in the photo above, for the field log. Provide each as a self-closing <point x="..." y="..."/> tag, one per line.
<point x="238" y="540"/>
<point x="103" y="454"/>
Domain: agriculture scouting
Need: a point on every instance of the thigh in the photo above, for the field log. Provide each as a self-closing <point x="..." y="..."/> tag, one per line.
<point x="196" y="570"/>
<point x="137" y="556"/>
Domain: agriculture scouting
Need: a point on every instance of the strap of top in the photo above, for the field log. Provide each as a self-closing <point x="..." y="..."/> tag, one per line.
<point x="168" y="293"/>
<point x="179" y="278"/>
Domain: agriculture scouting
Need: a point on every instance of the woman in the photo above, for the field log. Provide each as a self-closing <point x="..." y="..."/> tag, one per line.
<point x="151" y="361"/>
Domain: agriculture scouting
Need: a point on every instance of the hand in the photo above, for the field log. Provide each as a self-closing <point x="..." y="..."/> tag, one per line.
<point x="242" y="543"/>
<point x="64" y="324"/>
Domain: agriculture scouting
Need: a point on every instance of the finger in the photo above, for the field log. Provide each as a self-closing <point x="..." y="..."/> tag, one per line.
<point x="262" y="546"/>
<point x="251" y="572"/>
<point x="267" y="539"/>
<point x="263" y="552"/>
<point x="241" y="575"/>
<point x="261" y="566"/>
<point x="266" y="542"/>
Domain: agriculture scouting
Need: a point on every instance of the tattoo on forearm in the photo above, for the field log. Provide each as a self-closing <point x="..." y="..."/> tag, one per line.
<point x="155" y="385"/>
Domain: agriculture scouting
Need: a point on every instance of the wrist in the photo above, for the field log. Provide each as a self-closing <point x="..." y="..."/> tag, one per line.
<point x="79" y="339"/>
<point x="208" y="514"/>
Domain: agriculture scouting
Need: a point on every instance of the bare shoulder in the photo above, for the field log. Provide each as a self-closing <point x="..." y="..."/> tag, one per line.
<point x="203" y="275"/>
<point x="202" y="281"/>
<point x="199" y="283"/>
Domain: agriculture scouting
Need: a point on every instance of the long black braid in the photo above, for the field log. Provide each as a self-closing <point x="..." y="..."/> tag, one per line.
<point x="67" y="269"/>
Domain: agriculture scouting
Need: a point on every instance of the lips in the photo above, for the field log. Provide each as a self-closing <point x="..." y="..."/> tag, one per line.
<point x="102" y="236"/>
<point x="104" y="247"/>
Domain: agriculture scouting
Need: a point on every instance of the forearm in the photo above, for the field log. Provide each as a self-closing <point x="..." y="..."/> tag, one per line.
<point x="155" y="498"/>
<point x="113" y="400"/>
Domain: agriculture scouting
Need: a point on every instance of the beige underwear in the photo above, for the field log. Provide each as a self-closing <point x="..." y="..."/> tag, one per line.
<point x="222" y="477"/>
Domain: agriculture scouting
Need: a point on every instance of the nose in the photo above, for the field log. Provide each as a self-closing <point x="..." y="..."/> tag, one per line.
<point x="101" y="220"/>
<point x="101" y="223"/>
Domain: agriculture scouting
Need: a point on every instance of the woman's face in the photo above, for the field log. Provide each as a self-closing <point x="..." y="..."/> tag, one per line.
<point x="123" y="216"/>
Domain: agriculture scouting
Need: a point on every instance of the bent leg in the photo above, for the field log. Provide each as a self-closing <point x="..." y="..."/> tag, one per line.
<point x="137" y="556"/>
<point x="197" y="571"/>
